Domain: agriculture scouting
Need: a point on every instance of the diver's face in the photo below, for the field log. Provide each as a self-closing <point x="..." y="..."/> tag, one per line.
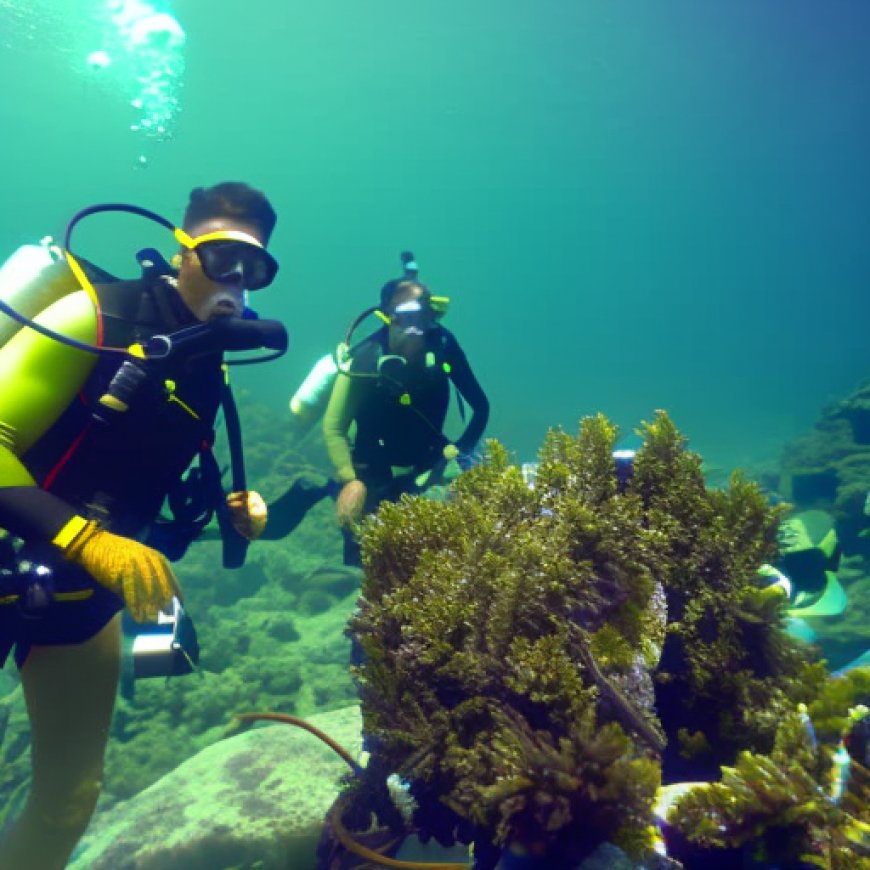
<point x="407" y="340"/>
<point x="203" y="296"/>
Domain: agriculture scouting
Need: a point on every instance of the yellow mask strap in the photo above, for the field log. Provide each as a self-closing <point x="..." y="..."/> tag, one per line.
<point x="187" y="241"/>
<point x="439" y="305"/>
<point x="381" y="316"/>
<point x="184" y="239"/>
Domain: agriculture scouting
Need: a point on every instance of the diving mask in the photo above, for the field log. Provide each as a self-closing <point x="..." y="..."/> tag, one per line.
<point x="229" y="255"/>
<point x="223" y="253"/>
<point x="413" y="317"/>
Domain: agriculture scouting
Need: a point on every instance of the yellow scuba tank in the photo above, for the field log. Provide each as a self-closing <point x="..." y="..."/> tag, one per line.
<point x="31" y="279"/>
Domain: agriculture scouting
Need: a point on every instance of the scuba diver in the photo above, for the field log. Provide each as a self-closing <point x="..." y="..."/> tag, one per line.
<point x="393" y="388"/>
<point x="108" y="396"/>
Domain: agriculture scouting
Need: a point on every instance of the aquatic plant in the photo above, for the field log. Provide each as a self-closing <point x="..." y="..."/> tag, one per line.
<point x="511" y="638"/>
<point x="804" y="804"/>
<point x="728" y="672"/>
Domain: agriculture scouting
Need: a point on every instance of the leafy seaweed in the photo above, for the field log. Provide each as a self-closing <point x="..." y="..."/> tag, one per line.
<point x="532" y="654"/>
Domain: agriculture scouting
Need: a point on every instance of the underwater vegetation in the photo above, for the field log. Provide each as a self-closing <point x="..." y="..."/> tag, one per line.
<point x="536" y="661"/>
<point x="807" y="803"/>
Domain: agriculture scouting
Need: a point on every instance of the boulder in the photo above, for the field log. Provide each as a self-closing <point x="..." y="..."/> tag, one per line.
<point x="254" y="800"/>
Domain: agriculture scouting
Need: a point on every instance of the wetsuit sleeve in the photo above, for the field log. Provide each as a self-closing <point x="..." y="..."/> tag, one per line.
<point x="40" y="378"/>
<point x="470" y="390"/>
<point x="340" y="412"/>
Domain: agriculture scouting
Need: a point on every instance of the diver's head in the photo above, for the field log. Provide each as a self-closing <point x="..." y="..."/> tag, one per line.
<point x="233" y="200"/>
<point x="229" y="226"/>
<point x="407" y="304"/>
<point x="392" y="289"/>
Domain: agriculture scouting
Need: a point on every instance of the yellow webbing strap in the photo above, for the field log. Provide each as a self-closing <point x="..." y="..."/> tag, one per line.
<point x="190" y="242"/>
<point x="78" y="595"/>
<point x="69" y="532"/>
<point x="81" y="277"/>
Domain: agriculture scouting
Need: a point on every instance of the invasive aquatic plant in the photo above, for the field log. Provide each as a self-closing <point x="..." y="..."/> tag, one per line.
<point x="728" y="671"/>
<point x="801" y="805"/>
<point x="512" y="639"/>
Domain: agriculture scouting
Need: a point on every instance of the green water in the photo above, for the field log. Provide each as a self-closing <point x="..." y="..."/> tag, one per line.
<point x="632" y="205"/>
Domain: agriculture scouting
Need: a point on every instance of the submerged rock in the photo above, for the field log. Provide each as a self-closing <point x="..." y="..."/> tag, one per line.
<point x="256" y="800"/>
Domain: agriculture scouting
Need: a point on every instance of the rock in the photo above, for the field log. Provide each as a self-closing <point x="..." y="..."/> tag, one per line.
<point x="338" y="580"/>
<point x="255" y="800"/>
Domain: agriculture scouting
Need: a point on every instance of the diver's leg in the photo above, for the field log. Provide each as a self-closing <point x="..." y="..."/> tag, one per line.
<point x="70" y="693"/>
<point x="351" y="553"/>
<point x="286" y="512"/>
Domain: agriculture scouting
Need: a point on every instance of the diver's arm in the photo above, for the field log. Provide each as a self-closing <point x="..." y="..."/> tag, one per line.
<point x="40" y="378"/>
<point x="340" y="413"/>
<point x="468" y="386"/>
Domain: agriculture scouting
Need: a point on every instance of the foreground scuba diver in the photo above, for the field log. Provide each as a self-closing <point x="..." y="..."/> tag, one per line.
<point x="90" y="444"/>
<point x="394" y="388"/>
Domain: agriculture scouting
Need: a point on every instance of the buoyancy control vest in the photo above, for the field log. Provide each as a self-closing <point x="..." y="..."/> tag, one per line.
<point x="119" y="469"/>
<point x="402" y="422"/>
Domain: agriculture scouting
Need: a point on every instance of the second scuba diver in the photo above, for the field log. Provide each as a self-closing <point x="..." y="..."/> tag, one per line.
<point x="393" y="389"/>
<point x="91" y="441"/>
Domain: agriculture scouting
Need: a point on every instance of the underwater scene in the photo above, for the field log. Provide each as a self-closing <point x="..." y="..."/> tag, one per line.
<point x="434" y="435"/>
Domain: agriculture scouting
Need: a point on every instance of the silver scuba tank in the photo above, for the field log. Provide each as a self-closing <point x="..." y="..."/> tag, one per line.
<point x="310" y="400"/>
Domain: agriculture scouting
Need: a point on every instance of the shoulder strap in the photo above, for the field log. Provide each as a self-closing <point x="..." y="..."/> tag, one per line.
<point x="234" y="436"/>
<point x="132" y="310"/>
<point x="235" y="546"/>
<point x="448" y="345"/>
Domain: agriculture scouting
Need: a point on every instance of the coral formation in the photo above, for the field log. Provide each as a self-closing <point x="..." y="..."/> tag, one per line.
<point x="531" y="654"/>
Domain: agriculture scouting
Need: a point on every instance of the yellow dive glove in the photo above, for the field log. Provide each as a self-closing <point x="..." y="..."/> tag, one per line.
<point x="140" y="574"/>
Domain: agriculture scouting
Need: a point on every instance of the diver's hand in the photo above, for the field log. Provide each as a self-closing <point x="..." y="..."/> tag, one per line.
<point x="248" y="513"/>
<point x="140" y="574"/>
<point x="350" y="504"/>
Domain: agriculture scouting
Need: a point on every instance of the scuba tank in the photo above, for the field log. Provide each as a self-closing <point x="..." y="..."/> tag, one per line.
<point x="37" y="276"/>
<point x="309" y="402"/>
<point x="34" y="277"/>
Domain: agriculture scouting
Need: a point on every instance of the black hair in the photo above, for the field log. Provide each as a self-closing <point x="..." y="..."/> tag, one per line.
<point x="231" y="199"/>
